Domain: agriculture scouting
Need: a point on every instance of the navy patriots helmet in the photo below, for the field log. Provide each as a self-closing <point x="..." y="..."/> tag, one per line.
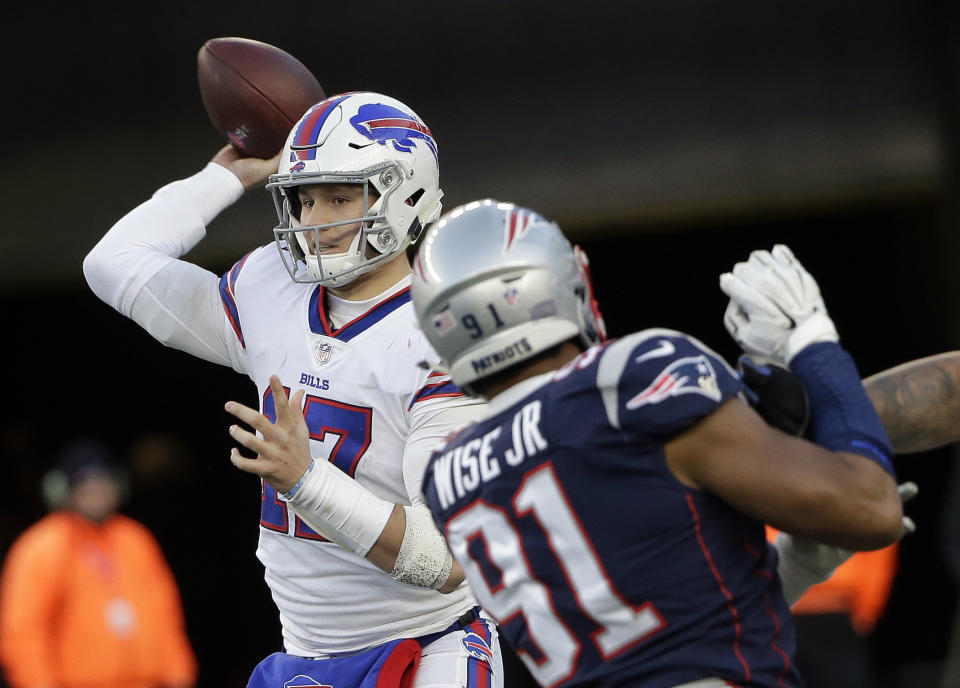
<point x="357" y="138"/>
<point x="495" y="284"/>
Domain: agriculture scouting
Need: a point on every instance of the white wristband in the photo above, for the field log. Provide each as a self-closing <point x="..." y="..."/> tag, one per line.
<point x="339" y="508"/>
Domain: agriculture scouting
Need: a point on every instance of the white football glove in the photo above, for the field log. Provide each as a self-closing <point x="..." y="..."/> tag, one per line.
<point x="804" y="562"/>
<point x="775" y="308"/>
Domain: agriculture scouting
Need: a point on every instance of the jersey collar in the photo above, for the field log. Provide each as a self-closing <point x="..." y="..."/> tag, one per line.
<point x="320" y="322"/>
<point x="511" y="396"/>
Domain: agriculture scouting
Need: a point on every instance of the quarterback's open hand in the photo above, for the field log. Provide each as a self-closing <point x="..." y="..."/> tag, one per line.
<point x="775" y="308"/>
<point x="283" y="448"/>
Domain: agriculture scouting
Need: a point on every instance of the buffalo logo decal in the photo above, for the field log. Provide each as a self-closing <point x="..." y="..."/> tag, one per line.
<point x="385" y="124"/>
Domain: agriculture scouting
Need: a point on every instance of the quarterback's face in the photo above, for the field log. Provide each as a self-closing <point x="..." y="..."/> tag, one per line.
<point x="323" y="204"/>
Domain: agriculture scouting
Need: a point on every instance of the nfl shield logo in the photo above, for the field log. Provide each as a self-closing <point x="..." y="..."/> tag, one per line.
<point x="323" y="353"/>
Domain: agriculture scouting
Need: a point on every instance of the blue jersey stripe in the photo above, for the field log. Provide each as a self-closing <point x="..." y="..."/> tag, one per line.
<point x="228" y="283"/>
<point x="440" y="389"/>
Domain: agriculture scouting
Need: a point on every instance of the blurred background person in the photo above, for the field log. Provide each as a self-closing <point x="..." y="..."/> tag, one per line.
<point x="86" y="596"/>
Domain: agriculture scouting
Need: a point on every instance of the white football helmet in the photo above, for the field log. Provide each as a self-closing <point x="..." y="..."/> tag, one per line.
<point x="356" y="138"/>
<point x="495" y="284"/>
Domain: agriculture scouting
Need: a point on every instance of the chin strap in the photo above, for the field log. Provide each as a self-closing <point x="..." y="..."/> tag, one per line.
<point x="431" y="207"/>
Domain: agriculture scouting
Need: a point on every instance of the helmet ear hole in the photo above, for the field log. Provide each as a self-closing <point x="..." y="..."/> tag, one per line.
<point x="414" y="198"/>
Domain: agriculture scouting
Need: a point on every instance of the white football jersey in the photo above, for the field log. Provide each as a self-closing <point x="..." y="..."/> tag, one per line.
<point x="371" y="410"/>
<point x="364" y="394"/>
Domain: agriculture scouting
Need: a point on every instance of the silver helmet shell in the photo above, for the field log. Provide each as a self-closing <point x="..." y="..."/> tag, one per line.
<point x="495" y="284"/>
<point x="356" y="138"/>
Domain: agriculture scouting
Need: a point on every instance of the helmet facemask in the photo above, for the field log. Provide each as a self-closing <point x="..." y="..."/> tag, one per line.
<point x="300" y="245"/>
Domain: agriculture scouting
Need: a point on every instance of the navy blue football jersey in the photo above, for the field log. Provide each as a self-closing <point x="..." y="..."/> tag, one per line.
<point x="600" y="566"/>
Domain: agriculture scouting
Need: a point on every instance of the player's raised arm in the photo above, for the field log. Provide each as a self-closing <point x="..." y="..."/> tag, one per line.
<point x="919" y="402"/>
<point x="136" y="266"/>
<point x="252" y="172"/>
<point x="835" y="497"/>
<point x="840" y="490"/>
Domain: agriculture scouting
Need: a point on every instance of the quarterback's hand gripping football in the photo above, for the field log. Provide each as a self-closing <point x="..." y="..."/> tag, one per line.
<point x="252" y="172"/>
<point x="775" y="308"/>
<point x="283" y="448"/>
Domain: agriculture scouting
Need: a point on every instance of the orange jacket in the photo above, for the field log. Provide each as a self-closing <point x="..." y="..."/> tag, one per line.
<point x="87" y="606"/>
<point x="860" y="588"/>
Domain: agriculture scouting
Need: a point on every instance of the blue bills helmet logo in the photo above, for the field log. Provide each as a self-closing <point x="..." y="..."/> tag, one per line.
<point x="302" y="681"/>
<point x="690" y="375"/>
<point x="385" y="124"/>
<point x="477" y="646"/>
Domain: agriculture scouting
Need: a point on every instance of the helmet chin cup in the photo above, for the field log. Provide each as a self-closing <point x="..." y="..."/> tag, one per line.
<point x="332" y="269"/>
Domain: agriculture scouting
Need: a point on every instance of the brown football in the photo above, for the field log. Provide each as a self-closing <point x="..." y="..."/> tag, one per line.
<point x="254" y="92"/>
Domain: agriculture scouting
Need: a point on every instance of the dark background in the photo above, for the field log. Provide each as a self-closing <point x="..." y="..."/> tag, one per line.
<point x="668" y="138"/>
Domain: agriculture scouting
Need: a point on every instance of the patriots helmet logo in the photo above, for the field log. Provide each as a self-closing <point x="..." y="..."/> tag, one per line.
<point x="386" y="124"/>
<point x="689" y="375"/>
<point x="516" y="223"/>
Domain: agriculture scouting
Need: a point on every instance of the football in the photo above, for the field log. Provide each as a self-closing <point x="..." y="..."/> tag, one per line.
<point x="254" y="92"/>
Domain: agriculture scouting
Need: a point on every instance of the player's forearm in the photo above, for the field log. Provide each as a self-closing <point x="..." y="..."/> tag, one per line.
<point x="413" y="551"/>
<point x="401" y="541"/>
<point x="919" y="402"/>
